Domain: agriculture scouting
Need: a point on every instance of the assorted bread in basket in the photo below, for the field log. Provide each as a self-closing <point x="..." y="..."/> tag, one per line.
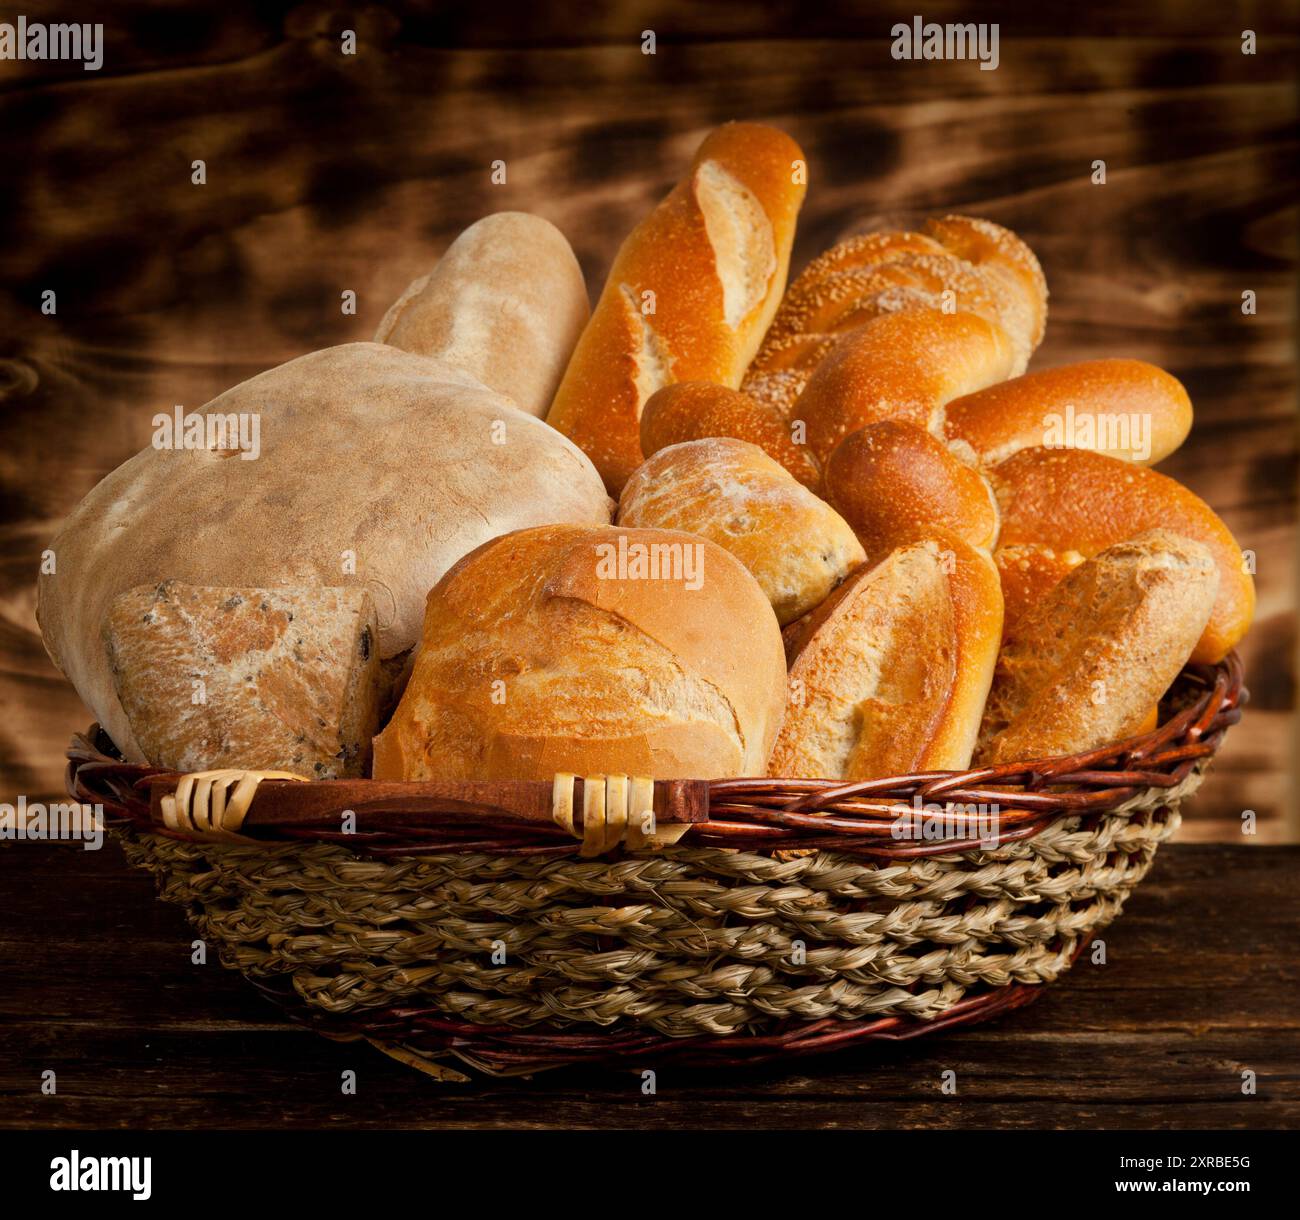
<point x="733" y="672"/>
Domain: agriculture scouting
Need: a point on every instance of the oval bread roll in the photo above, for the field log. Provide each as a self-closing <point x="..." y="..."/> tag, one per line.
<point x="1075" y="500"/>
<point x="730" y="492"/>
<point x="1124" y="408"/>
<point x="506" y="303"/>
<point x="690" y="294"/>
<point x="894" y="482"/>
<point x="1085" y="667"/>
<point x="642" y="652"/>
<point x="696" y="410"/>
<point x="890" y="674"/>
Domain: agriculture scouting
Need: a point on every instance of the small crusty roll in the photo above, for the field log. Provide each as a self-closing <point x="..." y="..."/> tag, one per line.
<point x="890" y="674"/>
<point x="506" y="303"/>
<point x="1124" y="408"/>
<point x="1075" y="500"/>
<point x="563" y="648"/>
<point x="695" y="410"/>
<point x="730" y="492"/>
<point x="1086" y="666"/>
<point x="690" y="294"/>
<point x="894" y="482"/>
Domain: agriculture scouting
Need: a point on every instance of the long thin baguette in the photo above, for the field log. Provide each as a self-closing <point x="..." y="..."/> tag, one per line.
<point x="690" y="294"/>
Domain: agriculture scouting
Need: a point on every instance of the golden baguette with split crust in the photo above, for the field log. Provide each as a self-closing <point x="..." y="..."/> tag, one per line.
<point x="690" y="295"/>
<point x="1085" y="668"/>
<point x="562" y="648"/>
<point x="796" y="546"/>
<point x="1067" y="500"/>
<point x="890" y="674"/>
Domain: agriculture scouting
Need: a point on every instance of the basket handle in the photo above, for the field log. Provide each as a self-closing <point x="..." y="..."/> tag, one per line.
<point x="602" y="811"/>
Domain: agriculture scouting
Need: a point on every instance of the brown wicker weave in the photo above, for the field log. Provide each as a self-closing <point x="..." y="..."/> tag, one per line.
<point x="788" y="920"/>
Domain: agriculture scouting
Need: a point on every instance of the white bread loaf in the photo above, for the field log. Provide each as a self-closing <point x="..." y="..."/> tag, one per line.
<point x="378" y="470"/>
<point x="689" y="295"/>
<point x="560" y="649"/>
<point x="890" y="674"/>
<point x="506" y="303"/>
<point x="1084" y="668"/>
<point x="796" y="546"/>
<point x="270" y="679"/>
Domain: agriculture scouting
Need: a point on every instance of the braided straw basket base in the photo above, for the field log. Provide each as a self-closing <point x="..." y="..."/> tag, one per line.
<point x="512" y="962"/>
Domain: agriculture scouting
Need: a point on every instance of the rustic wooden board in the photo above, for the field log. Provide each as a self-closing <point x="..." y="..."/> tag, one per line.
<point x="328" y="173"/>
<point x="96" y="984"/>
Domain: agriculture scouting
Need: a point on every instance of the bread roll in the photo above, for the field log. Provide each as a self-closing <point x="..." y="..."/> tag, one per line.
<point x="378" y="469"/>
<point x="904" y="366"/>
<point x="1124" y="408"/>
<point x="1075" y="500"/>
<point x="566" y="649"/>
<point x="506" y="303"/>
<point x="1085" y="667"/>
<point x="894" y="483"/>
<point x="959" y="265"/>
<point x="1029" y="573"/>
<point x="696" y="410"/>
<point x="267" y="679"/>
<point x="730" y="492"/>
<point x="890" y="674"/>
<point x="690" y="293"/>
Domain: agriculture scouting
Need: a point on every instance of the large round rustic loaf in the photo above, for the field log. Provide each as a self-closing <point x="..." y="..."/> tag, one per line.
<point x="377" y="468"/>
<point x="568" y="649"/>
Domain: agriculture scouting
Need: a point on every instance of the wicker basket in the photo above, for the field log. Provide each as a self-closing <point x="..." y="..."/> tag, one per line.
<point x="496" y="924"/>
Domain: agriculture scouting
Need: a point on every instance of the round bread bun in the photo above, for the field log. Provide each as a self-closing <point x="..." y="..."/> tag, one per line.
<point x="894" y="482"/>
<point x="593" y="651"/>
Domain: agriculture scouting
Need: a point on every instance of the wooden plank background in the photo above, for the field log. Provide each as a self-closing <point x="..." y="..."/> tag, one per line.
<point x="329" y="172"/>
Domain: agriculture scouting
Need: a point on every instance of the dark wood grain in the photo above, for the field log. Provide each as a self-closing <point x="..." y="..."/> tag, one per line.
<point x="328" y="173"/>
<point x="1202" y="972"/>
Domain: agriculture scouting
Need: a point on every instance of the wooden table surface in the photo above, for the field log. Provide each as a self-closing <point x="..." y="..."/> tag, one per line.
<point x="1200" y="984"/>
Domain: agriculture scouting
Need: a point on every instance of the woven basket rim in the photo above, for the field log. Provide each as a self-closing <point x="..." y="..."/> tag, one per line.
<point x="758" y="814"/>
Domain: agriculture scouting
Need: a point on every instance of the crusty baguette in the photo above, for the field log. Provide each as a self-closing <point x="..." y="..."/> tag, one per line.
<point x="796" y="546"/>
<point x="265" y="679"/>
<point x="543" y="651"/>
<point x="894" y="483"/>
<point x="1124" y="408"/>
<point x="506" y="303"/>
<point x="690" y="294"/>
<point x="890" y="674"/>
<point x="696" y="410"/>
<point x="1075" y="500"/>
<point x="1086" y="666"/>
